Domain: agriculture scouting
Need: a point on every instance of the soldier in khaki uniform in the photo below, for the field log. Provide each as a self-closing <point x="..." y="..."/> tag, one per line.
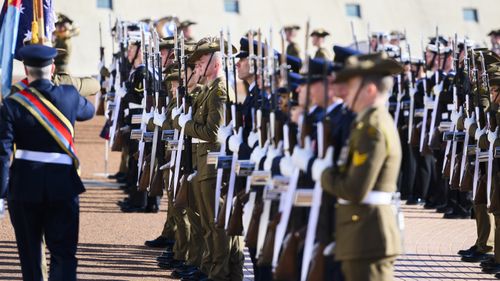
<point x="368" y="238"/>
<point x="318" y="40"/>
<point x="492" y="264"/>
<point x="62" y="40"/>
<point x="202" y="123"/>
<point x="292" y="48"/>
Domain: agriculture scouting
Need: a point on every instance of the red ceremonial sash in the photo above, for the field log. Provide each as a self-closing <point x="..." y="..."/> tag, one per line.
<point x="56" y="124"/>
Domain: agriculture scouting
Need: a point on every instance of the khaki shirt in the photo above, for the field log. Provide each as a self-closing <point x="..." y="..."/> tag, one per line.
<point x="371" y="163"/>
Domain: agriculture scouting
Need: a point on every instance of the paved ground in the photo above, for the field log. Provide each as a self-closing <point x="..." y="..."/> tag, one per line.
<point x="111" y="243"/>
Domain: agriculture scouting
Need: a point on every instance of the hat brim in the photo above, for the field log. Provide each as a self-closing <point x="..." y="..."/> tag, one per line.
<point x="384" y="68"/>
<point x="198" y="53"/>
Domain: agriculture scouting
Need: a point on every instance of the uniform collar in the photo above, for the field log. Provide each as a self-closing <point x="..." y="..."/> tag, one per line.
<point x="332" y="106"/>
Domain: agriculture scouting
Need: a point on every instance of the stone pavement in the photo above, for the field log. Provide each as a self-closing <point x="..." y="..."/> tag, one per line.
<point x="111" y="243"/>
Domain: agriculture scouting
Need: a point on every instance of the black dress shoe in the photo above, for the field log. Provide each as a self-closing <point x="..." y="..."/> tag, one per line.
<point x="170" y="265"/>
<point x="196" y="279"/>
<point x="467" y="251"/>
<point x="475" y="257"/>
<point x="430" y="205"/>
<point x="444" y="209"/>
<point x="186" y="271"/>
<point x="117" y="175"/>
<point x="152" y="209"/>
<point x="495" y="268"/>
<point x="159" y="242"/>
<point x="165" y="257"/>
<point x="456" y="215"/>
<point x="133" y="209"/>
<point x="414" y="201"/>
<point x="488" y="262"/>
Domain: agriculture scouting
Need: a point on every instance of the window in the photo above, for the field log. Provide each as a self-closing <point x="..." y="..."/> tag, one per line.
<point x="353" y="10"/>
<point x="232" y="6"/>
<point x="471" y="15"/>
<point x="105" y="4"/>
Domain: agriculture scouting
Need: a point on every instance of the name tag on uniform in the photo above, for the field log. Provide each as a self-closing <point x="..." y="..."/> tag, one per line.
<point x="445" y="115"/>
<point x="224" y="162"/>
<point x="281" y="183"/>
<point x="261" y="177"/>
<point x="167" y="135"/>
<point x="303" y="197"/>
<point x="136" y="119"/>
<point x="450" y="107"/>
<point x="172" y="145"/>
<point x="212" y="158"/>
<point x="147" y="136"/>
<point x="406" y="113"/>
<point x="136" y="134"/>
<point x="244" y="168"/>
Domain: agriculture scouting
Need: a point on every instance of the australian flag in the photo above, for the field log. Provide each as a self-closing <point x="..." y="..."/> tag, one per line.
<point x="15" y="27"/>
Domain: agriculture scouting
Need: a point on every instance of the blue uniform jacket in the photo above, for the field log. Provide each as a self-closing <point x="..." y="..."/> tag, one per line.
<point x="35" y="181"/>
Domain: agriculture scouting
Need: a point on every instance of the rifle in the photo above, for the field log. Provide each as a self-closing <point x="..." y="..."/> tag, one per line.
<point x="181" y="93"/>
<point x="323" y="138"/>
<point x="100" y="96"/>
<point x="411" y="91"/>
<point x="220" y="169"/>
<point x="479" y="121"/>
<point x="489" y="171"/>
<point x="234" y="160"/>
<point x="426" y="101"/>
<point x="147" y="112"/>
<point x="468" y="111"/>
<point x="156" y="88"/>
<point x="437" y="89"/>
<point x="354" y="38"/>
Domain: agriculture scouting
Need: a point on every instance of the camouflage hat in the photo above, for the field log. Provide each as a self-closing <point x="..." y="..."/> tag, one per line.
<point x="208" y="45"/>
<point x="371" y="64"/>
<point x="320" y="32"/>
<point x="489" y="56"/>
<point x="167" y="43"/>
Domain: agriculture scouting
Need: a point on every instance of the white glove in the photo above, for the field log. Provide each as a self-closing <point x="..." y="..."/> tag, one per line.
<point x="438" y="88"/>
<point x="159" y="117"/>
<point x="175" y="112"/>
<point x="166" y="166"/>
<point x="455" y="115"/>
<point x="258" y="153"/>
<point x="235" y="141"/>
<point x="301" y="156"/>
<point x="184" y="118"/>
<point x="272" y="153"/>
<point x="320" y="165"/>
<point x="191" y="176"/>
<point x="146" y="116"/>
<point x="286" y="166"/>
<point x="253" y="138"/>
<point x="469" y="121"/>
<point x="224" y="132"/>
<point x="492" y="136"/>
<point x="479" y="133"/>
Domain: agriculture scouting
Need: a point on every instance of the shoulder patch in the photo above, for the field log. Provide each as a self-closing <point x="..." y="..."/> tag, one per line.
<point x="359" y="159"/>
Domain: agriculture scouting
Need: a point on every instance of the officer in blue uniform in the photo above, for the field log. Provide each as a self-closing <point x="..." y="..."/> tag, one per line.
<point x="44" y="185"/>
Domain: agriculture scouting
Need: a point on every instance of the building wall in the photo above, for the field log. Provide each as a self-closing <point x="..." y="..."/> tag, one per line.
<point x="418" y="17"/>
